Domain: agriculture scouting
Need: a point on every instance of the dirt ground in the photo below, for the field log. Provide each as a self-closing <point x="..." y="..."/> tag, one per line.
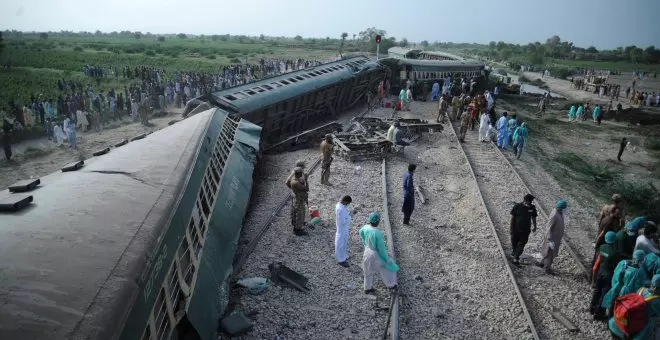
<point x="38" y="157"/>
<point x="577" y="161"/>
<point x="563" y="87"/>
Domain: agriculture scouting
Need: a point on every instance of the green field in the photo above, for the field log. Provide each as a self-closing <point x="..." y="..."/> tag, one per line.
<point x="31" y="65"/>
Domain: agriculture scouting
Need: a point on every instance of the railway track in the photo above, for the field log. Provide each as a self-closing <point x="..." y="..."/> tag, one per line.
<point x="392" y="323"/>
<point x="542" y="296"/>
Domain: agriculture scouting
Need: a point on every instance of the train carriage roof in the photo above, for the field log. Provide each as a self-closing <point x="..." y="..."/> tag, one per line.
<point x="441" y="64"/>
<point x="443" y="54"/>
<point x="263" y="93"/>
<point x="402" y="51"/>
<point x="71" y="262"/>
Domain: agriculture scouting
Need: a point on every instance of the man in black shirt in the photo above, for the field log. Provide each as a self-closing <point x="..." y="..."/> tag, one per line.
<point x="523" y="215"/>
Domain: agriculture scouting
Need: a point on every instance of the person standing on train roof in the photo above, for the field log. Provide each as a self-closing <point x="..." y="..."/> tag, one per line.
<point x="375" y="258"/>
<point x="343" y="222"/>
<point x="626" y="237"/>
<point x="652" y="306"/>
<point x="300" y="189"/>
<point x="553" y="236"/>
<point x="502" y="132"/>
<point x="326" y="151"/>
<point x="608" y="258"/>
<point x="628" y="277"/>
<point x="523" y="216"/>
<point x="408" y="194"/>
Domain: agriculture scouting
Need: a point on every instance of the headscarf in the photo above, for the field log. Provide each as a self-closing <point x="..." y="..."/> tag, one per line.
<point x="638" y="255"/>
<point x="610" y="237"/>
<point x="374" y="218"/>
<point x="636" y="223"/>
<point x="561" y="205"/>
<point x="655" y="281"/>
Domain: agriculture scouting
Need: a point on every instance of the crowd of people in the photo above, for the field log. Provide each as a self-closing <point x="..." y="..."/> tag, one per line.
<point x="88" y="108"/>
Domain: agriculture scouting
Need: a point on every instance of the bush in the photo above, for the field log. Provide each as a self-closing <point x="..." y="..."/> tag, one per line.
<point x="78" y="49"/>
<point x="210" y="56"/>
<point x="524" y="79"/>
<point x="642" y="198"/>
<point x="235" y="61"/>
<point x="150" y="53"/>
<point x="652" y="143"/>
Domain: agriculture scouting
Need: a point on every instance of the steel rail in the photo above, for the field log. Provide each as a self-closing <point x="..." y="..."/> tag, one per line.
<point x="523" y="305"/>
<point x="567" y="240"/>
<point x="392" y="324"/>
<point x="262" y="230"/>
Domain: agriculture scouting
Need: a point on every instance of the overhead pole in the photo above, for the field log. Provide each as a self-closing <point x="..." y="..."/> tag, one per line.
<point x="377" y="46"/>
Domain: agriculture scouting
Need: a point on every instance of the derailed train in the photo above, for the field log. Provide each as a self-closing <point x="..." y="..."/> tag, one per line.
<point x="296" y="101"/>
<point x="139" y="242"/>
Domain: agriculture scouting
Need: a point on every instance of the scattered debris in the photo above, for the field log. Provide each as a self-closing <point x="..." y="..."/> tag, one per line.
<point x="101" y="152"/>
<point x="123" y="142"/>
<point x="557" y="314"/>
<point x="14" y="203"/>
<point x="139" y="137"/>
<point x="305" y="139"/>
<point x="255" y="285"/>
<point x="24" y="185"/>
<point x="235" y="324"/>
<point x="418" y="189"/>
<point x="279" y="273"/>
<point x="73" y="166"/>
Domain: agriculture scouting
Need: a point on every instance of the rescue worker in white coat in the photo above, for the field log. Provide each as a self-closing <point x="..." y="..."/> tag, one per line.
<point x="343" y="222"/>
<point x="375" y="259"/>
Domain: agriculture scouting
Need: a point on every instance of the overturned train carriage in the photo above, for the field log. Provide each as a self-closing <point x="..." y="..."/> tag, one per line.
<point x="291" y="103"/>
<point x="419" y="71"/>
<point x="137" y="244"/>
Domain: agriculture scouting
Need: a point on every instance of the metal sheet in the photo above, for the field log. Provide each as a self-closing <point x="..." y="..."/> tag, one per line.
<point x="71" y="263"/>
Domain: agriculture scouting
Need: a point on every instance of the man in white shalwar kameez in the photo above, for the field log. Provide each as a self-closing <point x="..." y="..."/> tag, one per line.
<point x="483" y="127"/>
<point x="343" y="221"/>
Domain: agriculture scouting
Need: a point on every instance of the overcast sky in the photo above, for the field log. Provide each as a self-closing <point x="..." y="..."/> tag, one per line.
<point x="601" y="23"/>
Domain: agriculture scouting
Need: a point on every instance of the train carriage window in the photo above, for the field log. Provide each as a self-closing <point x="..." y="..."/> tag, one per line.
<point x="276" y="85"/>
<point x="306" y="76"/>
<point x="293" y="80"/>
<point x="341" y="67"/>
<point x="300" y="78"/>
<point x="284" y="82"/>
<point x="267" y="87"/>
<point x="258" y="89"/>
<point x="312" y="74"/>
<point x="230" y="97"/>
<point x="250" y="92"/>
<point x="240" y="95"/>
<point x="324" y="71"/>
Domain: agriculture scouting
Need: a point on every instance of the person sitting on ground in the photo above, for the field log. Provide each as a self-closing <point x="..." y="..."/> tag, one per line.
<point x="398" y="136"/>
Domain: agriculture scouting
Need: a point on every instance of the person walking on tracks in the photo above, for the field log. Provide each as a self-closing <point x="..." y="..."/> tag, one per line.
<point x="520" y="135"/>
<point x="343" y="222"/>
<point x="408" y="194"/>
<point x="375" y="258"/>
<point x="326" y="150"/>
<point x="300" y="189"/>
<point x="523" y="216"/>
<point x="553" y="236"/>
<point x="465" y="123"/>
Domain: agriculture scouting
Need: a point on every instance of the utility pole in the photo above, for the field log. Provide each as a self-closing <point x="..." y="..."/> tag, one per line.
<point x="377" y="46"/>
